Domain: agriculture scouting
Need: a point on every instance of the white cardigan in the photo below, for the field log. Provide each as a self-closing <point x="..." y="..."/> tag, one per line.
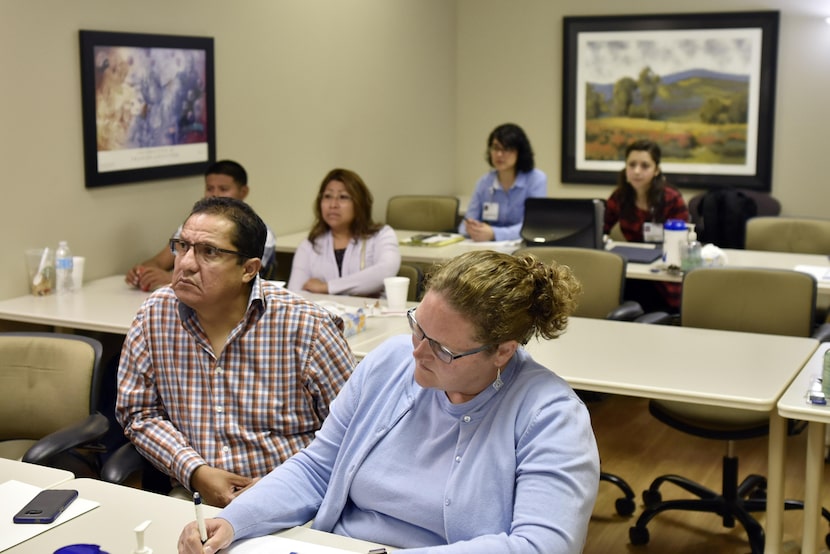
<point x="366" y="263"/>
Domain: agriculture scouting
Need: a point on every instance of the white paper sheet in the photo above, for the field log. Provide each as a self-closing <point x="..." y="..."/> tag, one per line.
<point x="279" y="545"/>
<point x="820" y="272"/>
<point x="13" y="496"/>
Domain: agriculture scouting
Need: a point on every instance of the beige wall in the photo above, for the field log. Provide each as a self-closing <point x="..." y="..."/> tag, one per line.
<point x="510" y="69"/>
<point x="301" y="87"/>
<point x="402" y="91"/>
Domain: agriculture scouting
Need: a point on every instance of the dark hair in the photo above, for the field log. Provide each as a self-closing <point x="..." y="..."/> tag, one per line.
<point x="507" y="297"/>
<point x="627" y="194"/>
<point x="512" y="137"/>
<point x="362" y="225"/>
<point x="230" y="168"/>
<point x="248" y="236"/>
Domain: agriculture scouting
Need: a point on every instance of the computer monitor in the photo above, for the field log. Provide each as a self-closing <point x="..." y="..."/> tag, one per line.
<point x="563" y="222"/>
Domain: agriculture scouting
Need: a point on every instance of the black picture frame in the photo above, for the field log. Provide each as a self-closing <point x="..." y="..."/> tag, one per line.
<point x="148" y="106"/>
<point x="600" y="53"/>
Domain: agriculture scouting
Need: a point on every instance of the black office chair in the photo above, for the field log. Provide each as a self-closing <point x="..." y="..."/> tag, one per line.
<point x="733" y="299"/>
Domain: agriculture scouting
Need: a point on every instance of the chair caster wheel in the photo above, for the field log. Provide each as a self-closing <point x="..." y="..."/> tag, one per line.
<point x="638" y="535"/>
<point x="652" y="498"/>
<point x="625" y="506"/>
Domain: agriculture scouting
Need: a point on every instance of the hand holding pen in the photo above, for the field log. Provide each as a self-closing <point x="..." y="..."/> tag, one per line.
<point x="218" y="534"/>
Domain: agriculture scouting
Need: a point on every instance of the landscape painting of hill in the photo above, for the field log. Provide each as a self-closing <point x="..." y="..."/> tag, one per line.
<point x="696" y="115"/>
<point x="699" y="85"/>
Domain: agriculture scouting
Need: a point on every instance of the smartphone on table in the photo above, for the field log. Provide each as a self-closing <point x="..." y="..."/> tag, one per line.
<point x="46" y="506"/>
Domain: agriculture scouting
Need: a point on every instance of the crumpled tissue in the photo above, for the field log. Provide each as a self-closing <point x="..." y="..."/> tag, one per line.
<point x="712" y="256"/>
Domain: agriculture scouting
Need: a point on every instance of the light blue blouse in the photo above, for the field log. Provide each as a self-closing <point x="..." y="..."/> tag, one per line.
<point x="533" y="184"/>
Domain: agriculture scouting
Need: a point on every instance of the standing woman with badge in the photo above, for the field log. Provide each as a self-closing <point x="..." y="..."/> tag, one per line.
<point x="497" y="208"/>
<point x="642" y="202"/>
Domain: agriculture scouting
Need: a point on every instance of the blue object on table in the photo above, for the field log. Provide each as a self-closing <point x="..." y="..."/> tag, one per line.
<point x="80" y="549"/>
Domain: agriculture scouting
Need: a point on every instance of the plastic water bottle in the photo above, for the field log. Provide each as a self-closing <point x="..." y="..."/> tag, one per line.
<point x="63" y="268"/>
<point x="675" y="236"/>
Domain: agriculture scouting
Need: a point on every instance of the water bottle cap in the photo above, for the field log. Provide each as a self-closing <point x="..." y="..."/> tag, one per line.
<point x="675" y="225"/>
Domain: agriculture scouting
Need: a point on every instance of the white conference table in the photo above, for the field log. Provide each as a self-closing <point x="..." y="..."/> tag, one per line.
<point x="417" y="254"/>
<point x="793" y="404"/>
<point x="33" y="474"/>
<point x="109" y="305"/>
<point x="654" y="271"/>
<point x="122" y="509"/>
<point x="701" y="366"/>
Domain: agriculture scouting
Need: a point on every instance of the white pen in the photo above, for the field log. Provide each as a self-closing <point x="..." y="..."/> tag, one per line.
<point x="200" y="518"/>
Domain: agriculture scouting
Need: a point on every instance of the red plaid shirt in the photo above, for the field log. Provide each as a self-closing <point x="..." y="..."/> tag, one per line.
<point x="246" y="411"/>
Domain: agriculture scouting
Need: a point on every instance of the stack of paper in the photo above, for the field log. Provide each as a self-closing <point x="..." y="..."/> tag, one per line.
<point x="432" y="239"/>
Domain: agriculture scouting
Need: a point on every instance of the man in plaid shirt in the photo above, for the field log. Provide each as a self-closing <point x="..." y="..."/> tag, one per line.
<point x="224" y="375"/>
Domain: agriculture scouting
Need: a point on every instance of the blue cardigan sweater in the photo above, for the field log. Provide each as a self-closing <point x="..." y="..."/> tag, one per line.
<point x="527" y="483"/>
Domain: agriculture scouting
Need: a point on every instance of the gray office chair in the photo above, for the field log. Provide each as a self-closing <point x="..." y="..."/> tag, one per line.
<point x="602" y="275"/>
<point x="788" y="234"/>
<point x="780" y="302"/>
<point x="48" y="416"/>
<point x="435" y="213"/>
<point x="416" y="281"/>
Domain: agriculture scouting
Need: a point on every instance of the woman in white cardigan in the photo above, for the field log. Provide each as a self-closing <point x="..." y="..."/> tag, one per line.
<point x="346" y="252"/>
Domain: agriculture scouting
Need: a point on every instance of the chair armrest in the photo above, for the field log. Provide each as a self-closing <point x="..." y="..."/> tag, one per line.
<point x="627" y="311"/>
<point x="122" y="464"/>
<point x="822" y="333"/>
<point x="658" y="318"/>
<point x="82" y="433"/>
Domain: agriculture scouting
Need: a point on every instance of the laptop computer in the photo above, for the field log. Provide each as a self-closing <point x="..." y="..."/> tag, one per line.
<point x="637" y="255"/>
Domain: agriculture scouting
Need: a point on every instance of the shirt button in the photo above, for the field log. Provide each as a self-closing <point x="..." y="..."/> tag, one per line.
<point x="226" y="449"/>
<point x="219" y="369"/>
<point x="219" y="409"/>
<point x="457" y="459"/>
<point x="447" y="502"/>
<point x="466" y="419"/>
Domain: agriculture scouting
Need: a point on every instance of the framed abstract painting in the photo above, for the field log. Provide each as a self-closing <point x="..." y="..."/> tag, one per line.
<point x="147" y="106"/>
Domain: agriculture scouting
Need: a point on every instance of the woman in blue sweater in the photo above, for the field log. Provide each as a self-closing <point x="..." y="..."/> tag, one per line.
<point x="451" y="440"/>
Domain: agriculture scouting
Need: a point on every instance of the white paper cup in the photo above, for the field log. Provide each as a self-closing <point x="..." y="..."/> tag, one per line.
<point x="77" y="272"/>
<point x="396" y="291"/>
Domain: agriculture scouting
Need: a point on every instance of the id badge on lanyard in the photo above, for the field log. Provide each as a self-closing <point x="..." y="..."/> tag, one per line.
<point x="652" y="232"/>
<point x="490" y="210"/>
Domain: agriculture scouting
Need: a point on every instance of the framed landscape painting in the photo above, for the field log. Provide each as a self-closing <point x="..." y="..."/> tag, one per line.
<point x="702" y="86"/>
<point x="147" y="105"/>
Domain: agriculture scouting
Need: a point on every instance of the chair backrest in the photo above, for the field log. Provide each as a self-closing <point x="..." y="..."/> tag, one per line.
<point x="416" y="281"/>
<point x="49" y="380"/>
<point x="563" y="222"/>
<point x="755" y="300"/>
<point x="601" y="273"/>
<point x="788" y="234"/>
<point x="434" y="213"/>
